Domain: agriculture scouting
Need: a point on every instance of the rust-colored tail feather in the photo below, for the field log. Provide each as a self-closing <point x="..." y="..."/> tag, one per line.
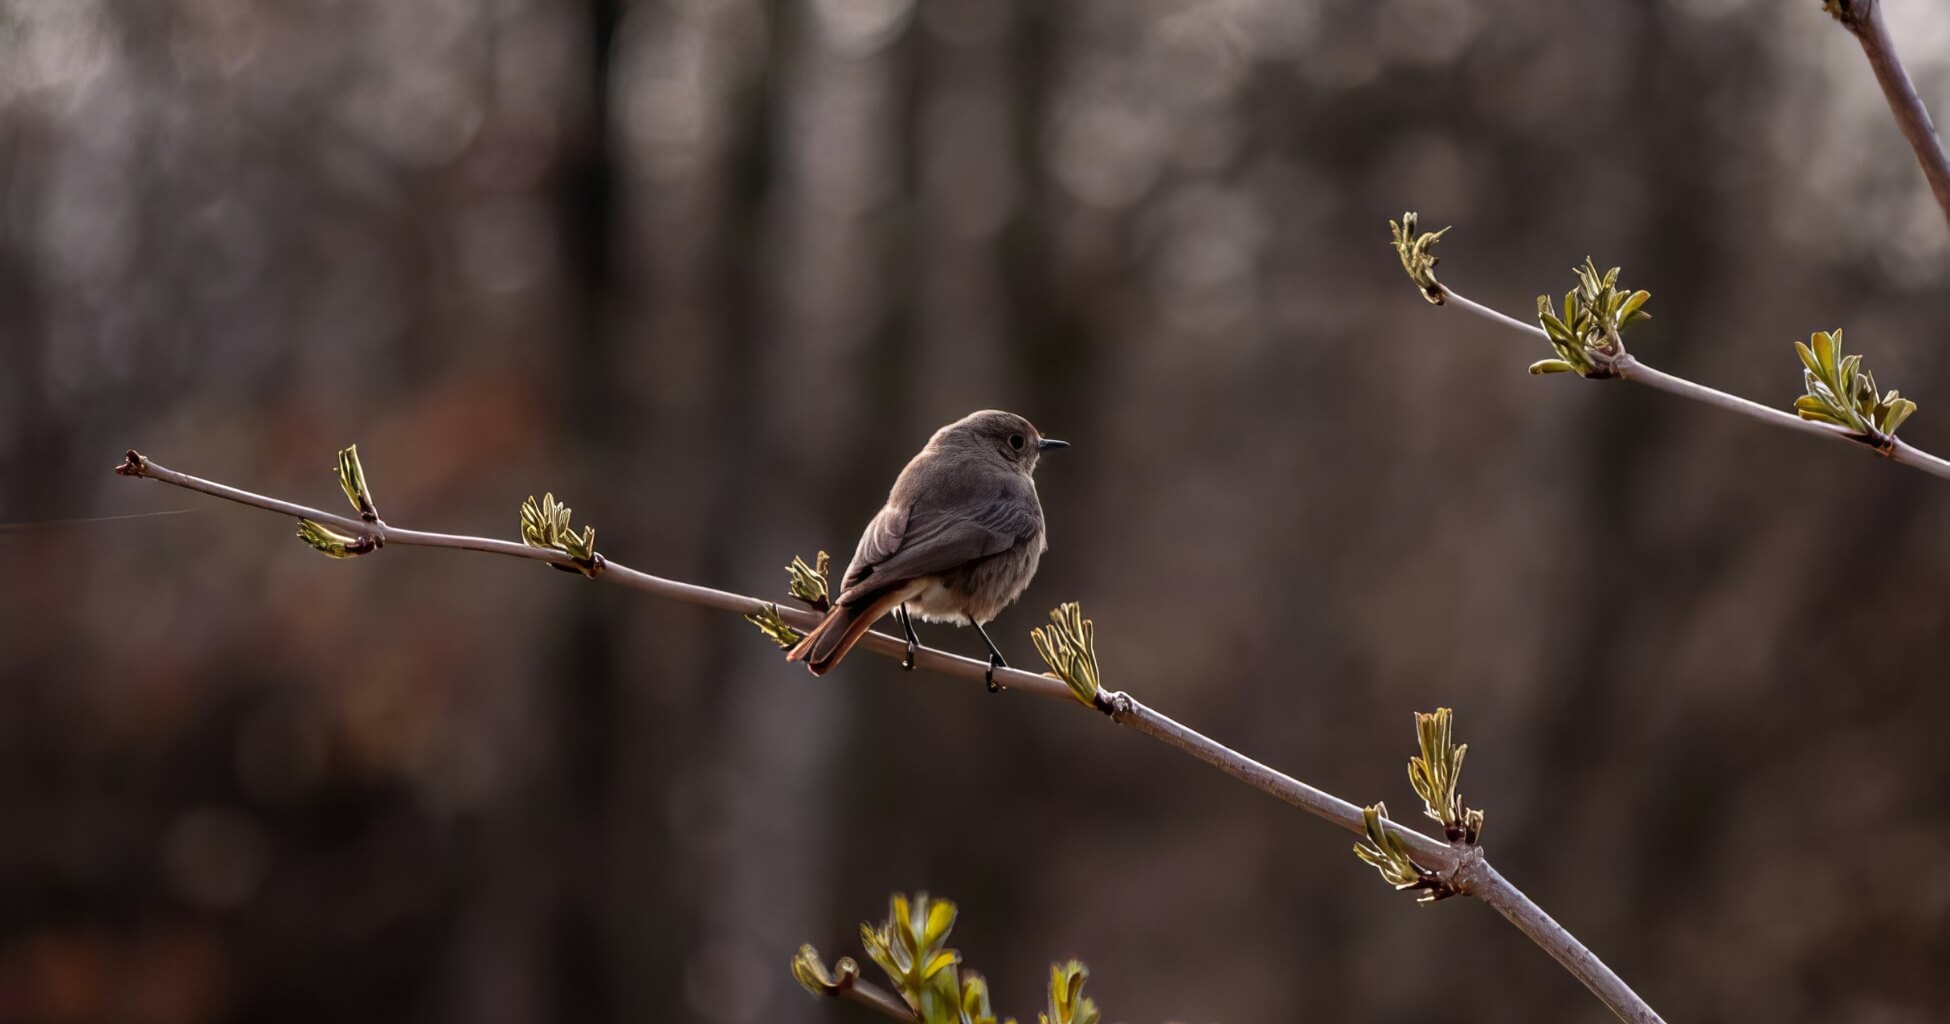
<point x="836" y="634"/>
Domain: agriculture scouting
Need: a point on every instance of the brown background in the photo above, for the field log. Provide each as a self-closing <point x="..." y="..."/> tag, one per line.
<point x="712" y="270"/>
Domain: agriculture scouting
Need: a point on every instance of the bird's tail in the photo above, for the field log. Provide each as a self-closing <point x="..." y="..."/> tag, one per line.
<point x="836" y="634"/>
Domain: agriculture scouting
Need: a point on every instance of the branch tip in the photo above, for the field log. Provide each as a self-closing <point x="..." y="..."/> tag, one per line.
<point x="811" y="973"/>
<point x="132" y="464"/>
<point x="1417" y="251"/>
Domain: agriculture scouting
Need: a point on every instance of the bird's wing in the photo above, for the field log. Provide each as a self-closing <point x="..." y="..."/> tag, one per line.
<point x="931" y="541"/>
<point x="877" y="544"/>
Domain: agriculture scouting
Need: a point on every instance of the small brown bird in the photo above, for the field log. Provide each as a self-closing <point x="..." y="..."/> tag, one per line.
<point x="958" y="540"/>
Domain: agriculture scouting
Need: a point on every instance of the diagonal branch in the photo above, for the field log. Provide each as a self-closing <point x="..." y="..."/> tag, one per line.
<point x="1864" y="19"/>
<point x="874" y="997"/>
<point x="1462" y="866"/>
<point x="1632" y="369"/>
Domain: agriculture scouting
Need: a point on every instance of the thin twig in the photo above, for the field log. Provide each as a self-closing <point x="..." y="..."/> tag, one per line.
<point x="1633" y="369"/>
<point x="1864" y="20"/>
<point x="868" y="994"/>
<point x="1468" y="305"/>
<point x="1463" y="865"/>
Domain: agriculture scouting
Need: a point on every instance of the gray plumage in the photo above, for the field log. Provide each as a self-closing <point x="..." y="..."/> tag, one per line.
<point x="958" y="540"/>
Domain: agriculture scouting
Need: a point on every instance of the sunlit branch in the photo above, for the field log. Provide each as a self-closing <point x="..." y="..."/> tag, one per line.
<point x="1633" y="369"/>
<point x="1463" y="867"/>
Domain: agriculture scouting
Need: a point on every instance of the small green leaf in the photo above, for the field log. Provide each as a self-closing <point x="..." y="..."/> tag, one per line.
<point x="1633" y="307"/>
<point x="352" y="480"/>
<point x="330" y="542"/>
<point x="1552" y="366"/>
<point x="940" y="961"/>
<point x="1808" y="358"/>
<point x="1898" y="412"/>
<point x="1824" y="344"/>
<point x="941" y="920"/>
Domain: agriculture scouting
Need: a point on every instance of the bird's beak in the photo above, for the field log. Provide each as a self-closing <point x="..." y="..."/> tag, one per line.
<point x="1049" y="442"/>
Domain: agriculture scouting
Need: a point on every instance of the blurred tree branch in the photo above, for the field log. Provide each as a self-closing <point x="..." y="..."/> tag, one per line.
<point x="1457" y="868"/>
<point x="1863" y="18"/>
<point x="1842" y="403"/>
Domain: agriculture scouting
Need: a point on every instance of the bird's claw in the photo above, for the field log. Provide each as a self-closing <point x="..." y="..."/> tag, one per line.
<point x="913" y="642"/>
<point x="995" y="662"/>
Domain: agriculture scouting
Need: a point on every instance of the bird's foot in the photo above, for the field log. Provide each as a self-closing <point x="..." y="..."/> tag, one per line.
<point x="913" y="642"/>
<point x="995" y="659"/>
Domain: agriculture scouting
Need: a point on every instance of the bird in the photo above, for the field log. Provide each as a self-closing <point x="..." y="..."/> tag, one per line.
<point x="958" y="540"/>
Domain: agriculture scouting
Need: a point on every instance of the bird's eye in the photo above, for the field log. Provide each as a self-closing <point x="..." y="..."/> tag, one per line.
<point x="1016" y="441"/>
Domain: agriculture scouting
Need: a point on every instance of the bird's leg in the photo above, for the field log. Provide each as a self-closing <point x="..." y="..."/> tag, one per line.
<point x="913" y="642"/>
<point x="995" y="660"/>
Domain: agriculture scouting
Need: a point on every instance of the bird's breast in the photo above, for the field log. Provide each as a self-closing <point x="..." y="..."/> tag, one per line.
<point x="978" y="590"/>
<point x="939" y="600"/>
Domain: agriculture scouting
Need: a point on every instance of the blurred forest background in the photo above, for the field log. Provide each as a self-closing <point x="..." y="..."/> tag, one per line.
<point x="712" y="269"/>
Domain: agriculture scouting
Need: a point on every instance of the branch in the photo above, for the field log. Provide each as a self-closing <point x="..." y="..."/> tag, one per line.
<point x="1487" y="884"/>
<point x="1863" y="18"/>
<point x="1462" y="867"/>
<point x="874" y="997"/>
<point x="1633" y="369"/>
<point x="1841" y="401"/>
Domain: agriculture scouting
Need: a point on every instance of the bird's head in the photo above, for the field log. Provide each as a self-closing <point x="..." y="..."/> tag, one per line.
<point x="1014" y="440"/>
